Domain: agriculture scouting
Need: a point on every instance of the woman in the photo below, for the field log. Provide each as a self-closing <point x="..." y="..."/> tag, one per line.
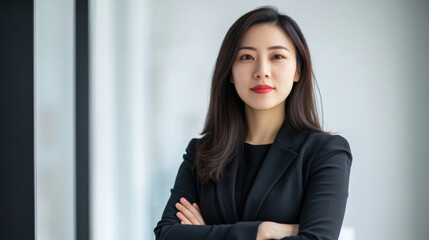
<point x="264" y="168"/>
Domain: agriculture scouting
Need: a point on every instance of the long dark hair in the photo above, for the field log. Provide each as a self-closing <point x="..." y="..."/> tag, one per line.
<point x="226" y="128"/>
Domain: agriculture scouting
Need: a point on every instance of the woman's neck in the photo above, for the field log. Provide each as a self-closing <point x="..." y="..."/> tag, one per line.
<point x="263" y="125"/>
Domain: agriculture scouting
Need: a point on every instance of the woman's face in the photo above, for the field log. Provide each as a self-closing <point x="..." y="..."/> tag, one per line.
<point x="264" y="69"/>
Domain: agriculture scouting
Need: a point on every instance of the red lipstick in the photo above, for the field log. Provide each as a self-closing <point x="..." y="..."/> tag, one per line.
<point x="262" y="88"/>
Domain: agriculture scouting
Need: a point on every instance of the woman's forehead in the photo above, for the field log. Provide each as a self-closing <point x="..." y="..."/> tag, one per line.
<point x="265" y="36"/>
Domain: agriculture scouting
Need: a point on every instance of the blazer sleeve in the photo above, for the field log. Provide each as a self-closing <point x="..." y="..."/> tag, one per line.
<point x="326" y="192"/>
<point x="169" y="226"/>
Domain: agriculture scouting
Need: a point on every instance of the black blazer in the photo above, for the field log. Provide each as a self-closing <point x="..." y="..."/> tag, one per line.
<point x="303" y="180"/>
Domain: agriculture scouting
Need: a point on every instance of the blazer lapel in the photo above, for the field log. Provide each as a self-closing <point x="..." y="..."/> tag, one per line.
<point x="277" y="161"/>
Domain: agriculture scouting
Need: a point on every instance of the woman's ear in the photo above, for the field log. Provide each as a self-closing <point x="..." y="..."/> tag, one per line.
<point x="297" y="75"/>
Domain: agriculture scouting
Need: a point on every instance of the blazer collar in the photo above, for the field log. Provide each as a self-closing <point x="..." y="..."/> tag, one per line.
<point x="281" y="154"/>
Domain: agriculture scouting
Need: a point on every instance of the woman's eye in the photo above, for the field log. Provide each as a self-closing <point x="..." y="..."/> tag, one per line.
<point x="277" y="56"/>
<point x="246" y="57"/>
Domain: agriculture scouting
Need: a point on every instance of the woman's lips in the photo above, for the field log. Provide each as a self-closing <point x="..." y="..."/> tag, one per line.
<point x="262" y="89"/>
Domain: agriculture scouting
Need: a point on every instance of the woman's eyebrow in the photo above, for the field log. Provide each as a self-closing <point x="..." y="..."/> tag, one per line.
<point x="270" y="48"/>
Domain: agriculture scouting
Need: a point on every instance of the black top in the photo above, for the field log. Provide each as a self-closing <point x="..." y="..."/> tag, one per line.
<point x="251" y="160"/>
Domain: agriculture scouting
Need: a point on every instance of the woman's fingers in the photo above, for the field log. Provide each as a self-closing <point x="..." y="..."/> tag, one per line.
<point x="194" y="210"/>
<point x="196" y="216"/>
<point x="187" y="214"/>
<point x="295" y="229"/>
<point x="196" y="207"/>
<point x="183" y="219"/>
<point x="273" y="230"/>
<point x="190" y="212"/>
<point x="200" y="217"/>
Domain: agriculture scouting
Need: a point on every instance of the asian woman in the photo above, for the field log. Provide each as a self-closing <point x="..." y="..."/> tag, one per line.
<point x="263" y="168"/>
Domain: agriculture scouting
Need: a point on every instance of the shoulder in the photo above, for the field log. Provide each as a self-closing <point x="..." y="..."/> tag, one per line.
<point x="328" y="140"/>
<point x="328" y="144"/>
<point x="190" y="149"/>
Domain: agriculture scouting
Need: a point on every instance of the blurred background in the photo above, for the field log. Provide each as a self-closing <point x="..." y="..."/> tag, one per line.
<point x="150" y="65"/>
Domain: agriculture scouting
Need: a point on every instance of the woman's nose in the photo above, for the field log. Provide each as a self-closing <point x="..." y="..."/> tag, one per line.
<point x="262" y="70"/>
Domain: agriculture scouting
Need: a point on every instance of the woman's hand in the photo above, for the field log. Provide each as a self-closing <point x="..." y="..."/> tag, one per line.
<point x="189" y="213"/>
<point x="273" y="230"/>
